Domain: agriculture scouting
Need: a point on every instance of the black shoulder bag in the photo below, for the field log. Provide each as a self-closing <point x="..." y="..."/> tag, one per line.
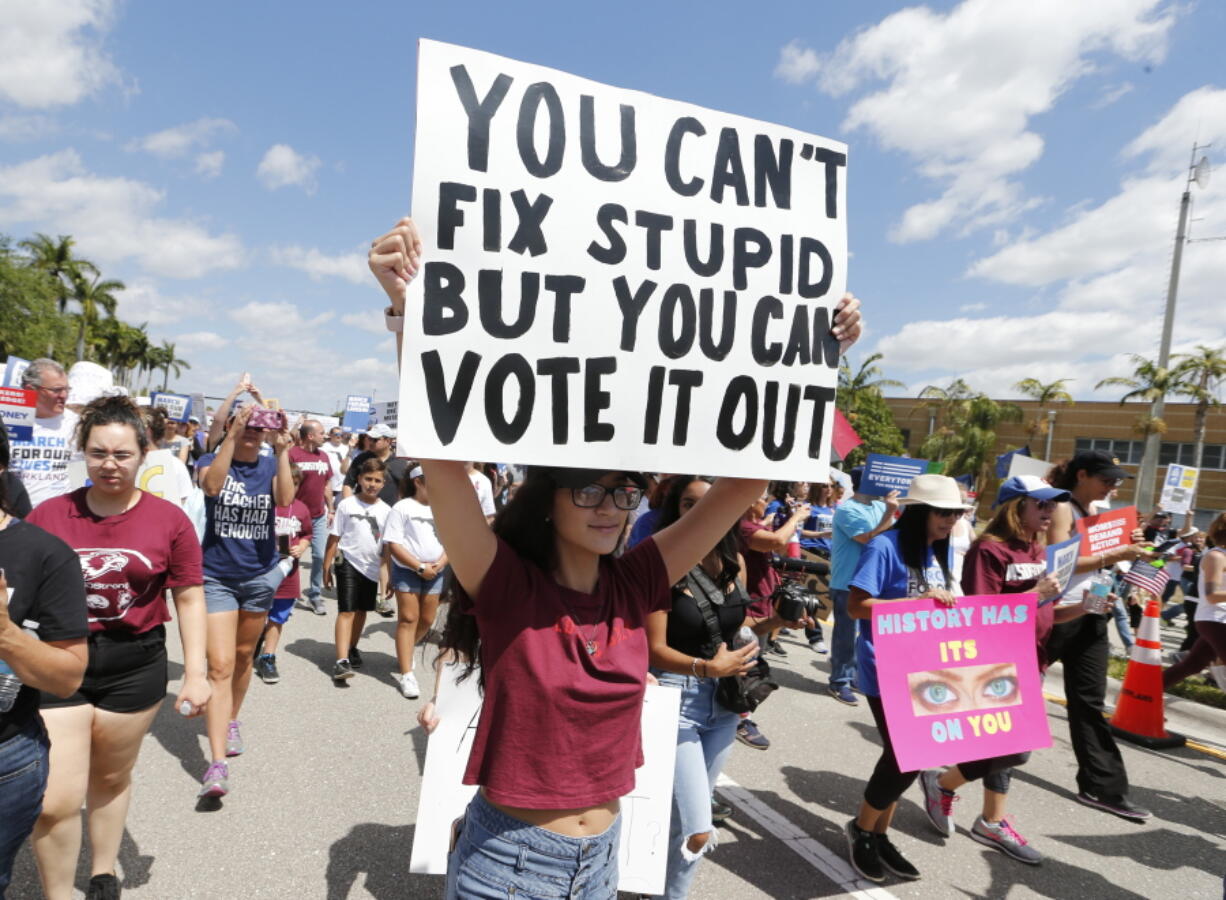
<point x="738" y="693"/>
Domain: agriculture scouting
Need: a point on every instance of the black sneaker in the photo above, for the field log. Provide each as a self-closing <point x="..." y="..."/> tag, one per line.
<point x="776" y="648"/>
<point x="1120" y="806"/>
<point x="749" y="735"/>
<point x="342" y="671"/>
<point x="103" y="887"/>
<point x="266" y="668"/>
<point x="894" y="861"/>
<point x="720" y="812"/>
<point x="863" y="853"/>
<point x="355" y="657"/>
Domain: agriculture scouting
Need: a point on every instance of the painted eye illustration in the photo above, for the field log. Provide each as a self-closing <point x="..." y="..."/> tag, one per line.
<point x="1000" y="689"/>
<point x="935" y="694"/>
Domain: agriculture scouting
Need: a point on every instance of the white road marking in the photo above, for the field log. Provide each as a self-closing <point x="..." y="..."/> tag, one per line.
<point x="834" y="867"/>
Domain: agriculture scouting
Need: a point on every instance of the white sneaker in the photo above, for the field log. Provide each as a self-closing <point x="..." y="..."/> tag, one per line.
<point x="408" y="686"/>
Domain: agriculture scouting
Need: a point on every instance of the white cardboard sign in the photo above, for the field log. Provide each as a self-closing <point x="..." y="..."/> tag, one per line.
<point x="616" y="280"/>
<point x="643" y="853"/>
<point x="1179" y="488"/>
<point x="1028" y="465"/>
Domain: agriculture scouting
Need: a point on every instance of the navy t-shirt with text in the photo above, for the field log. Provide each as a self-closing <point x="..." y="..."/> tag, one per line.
<point x="240" y="540"/>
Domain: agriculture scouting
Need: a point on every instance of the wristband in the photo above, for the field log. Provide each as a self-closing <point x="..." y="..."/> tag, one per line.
<point x="393" y="320"/>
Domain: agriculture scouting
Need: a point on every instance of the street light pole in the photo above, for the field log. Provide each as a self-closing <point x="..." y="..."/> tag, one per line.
<point x="1144" y="499"/>
<point x="1051" y="426"/>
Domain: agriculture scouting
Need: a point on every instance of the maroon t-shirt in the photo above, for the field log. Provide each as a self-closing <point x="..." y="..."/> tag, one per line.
<point x="1010" y="567"/>
<point x="316" y="471"/>
<point x="761" y="579"/>
<point x="293" y="522"/>
<point x="128" y="560"/>
<point x="559" y="727"/>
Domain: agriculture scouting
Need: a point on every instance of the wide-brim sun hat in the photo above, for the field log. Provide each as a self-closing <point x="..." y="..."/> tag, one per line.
<point x="937" y="491"/>
<point x="1029" y="486"/>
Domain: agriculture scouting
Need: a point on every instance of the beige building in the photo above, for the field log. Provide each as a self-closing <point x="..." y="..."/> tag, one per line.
<point x="1103" y="426"/>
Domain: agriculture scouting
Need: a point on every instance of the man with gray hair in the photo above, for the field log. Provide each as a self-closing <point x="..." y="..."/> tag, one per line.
<point x="42" y="462"/>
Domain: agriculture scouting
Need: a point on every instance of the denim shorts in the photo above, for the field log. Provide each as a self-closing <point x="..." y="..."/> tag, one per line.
<point x="23" y="780"/>
<point x="248" y="594"/>
<point x="407" y="580"/>
<point x="497" y="856"/>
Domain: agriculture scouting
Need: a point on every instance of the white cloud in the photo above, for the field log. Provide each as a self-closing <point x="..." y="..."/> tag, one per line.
<point x="209" y="164"/>
<point x="1104" y="271"/>
<point x="280" y="317"/>
<point x="972" y="307"/>
<point x="200" y="340"/>
<point x="181" y="140"/>
<point x="1111" y="93"/>
<point x="112" y="219"/>
<point x="998" y="63"/>
<point x="282" y="166"/>
<point x="365" y="321"/>
<point x="349" y="266"/>
<point x="142" y="301"/>
<point x="50" y="51"/>
<point x="797" y="63"/>
<point x="26" y="128"/>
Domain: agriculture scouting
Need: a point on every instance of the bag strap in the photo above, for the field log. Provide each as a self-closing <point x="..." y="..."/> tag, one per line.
<point x="703" y="601"/>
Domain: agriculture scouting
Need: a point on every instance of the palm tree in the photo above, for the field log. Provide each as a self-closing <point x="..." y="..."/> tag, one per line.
<point x="170" y="361"/>
<point x="965" y="438"/>
<point x="93" y="297"/>
<point x="55" y="257"/>
<point x="123" y="348"/>
<point x="1048" y="394"/>
<point x="1200" y="377"/>
<point x="867" y="378"/>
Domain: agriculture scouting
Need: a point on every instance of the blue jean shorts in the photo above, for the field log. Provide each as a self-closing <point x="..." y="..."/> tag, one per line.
<point x="246" y="594"/>
<point x="407" y="580"/>
<point x="498" y="856"/>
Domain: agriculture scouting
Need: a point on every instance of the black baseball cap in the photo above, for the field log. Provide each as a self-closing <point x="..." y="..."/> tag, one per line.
<point x="1098" y="462"/>
<point x="577" y="478"/>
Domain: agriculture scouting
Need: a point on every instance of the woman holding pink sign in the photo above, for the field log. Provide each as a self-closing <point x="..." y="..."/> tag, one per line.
<point x="1008" y="558"/>
<point x="912" y="559"/>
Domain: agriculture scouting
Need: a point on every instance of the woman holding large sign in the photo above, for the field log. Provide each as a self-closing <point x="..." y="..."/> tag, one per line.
<point x="1008" y="558"/>
<point x="912" y="559"/>
<point x="557" y="625"/>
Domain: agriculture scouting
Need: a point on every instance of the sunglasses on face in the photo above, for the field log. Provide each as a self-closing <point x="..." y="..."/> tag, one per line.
<point x="948" y="513"/>
<point x="625" y="496"/>
<point x="1045" y="505"/>
<point x="1111" y="482"/>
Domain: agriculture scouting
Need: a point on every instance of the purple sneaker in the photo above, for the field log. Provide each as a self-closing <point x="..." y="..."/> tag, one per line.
<point x="216" y="781"/>
<point x="234" y="740"/>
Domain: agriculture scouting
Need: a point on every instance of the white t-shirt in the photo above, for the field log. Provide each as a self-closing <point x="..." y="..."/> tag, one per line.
<point x="485" y="491"/>
<point x="42" y="463"/>
<point x="1206" y="611"/>
<point x="360" y="529"/>
<point x="164" y="475"/>
<point x="338" y="454"/>
<point x="411" y="525"/>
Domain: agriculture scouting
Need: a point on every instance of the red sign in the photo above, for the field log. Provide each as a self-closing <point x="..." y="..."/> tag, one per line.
<point x="1107" y="530"/>
<point x="844" y="437"/>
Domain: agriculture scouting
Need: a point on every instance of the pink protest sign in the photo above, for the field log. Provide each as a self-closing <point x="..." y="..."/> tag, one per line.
<point x="960" y="683"/>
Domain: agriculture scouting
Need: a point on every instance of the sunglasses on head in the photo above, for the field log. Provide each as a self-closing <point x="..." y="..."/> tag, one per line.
<point x="625" y="496"/>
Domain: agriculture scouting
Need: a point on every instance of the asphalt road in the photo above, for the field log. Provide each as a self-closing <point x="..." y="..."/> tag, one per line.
<point x="324" y="800"/>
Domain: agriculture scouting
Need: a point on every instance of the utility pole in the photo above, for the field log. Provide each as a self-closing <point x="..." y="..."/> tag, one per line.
<point x="1198" y="172"/>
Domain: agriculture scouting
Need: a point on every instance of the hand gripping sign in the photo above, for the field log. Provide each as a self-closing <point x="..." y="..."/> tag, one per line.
<point x="615" y="280"/>
<point x="960" y="683"/>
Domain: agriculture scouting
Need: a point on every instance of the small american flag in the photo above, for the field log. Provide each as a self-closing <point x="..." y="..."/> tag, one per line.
<point x="1148" y="578"/>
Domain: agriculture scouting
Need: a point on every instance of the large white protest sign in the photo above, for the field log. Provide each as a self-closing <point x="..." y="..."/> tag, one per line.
<point x="615" y="280"/>
<point x="642" y="855"/>
<point x="1028" y="465"/>
<point x="1178" y="489"/>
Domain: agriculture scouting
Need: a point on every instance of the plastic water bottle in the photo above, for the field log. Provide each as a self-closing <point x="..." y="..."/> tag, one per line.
<point x="1096" y="599"/>
<point x="10" y="684"/>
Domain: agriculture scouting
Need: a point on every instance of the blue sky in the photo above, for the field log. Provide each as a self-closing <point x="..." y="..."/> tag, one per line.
<point x="1013" y="183"/>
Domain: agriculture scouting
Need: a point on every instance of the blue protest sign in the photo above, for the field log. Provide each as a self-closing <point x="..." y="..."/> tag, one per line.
<point x="17" y="413"/>
<point x="177" y="406"/>
<point x="13" y="369"/>
<point x="357" y="413"/>
<point x="883" y="474"/>
<point x="1061" y="560"/>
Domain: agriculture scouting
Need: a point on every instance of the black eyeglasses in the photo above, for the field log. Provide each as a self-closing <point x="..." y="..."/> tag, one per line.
<point x="625" y="496"/>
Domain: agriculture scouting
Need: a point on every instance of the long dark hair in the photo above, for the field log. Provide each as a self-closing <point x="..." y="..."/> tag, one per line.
<point x="670" y="512"/>
<point x="912" y="528"/>
<point x="5" y="506"/>
<point x="525" y="525"/>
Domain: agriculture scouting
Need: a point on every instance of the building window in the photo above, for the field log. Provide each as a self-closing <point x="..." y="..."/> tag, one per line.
<point x="1127" y="452"/>
<point x="1184" y="454"/>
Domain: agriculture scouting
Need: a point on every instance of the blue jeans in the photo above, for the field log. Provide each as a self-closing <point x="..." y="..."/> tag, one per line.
<point x="842" y="642"/>
<point x="705" y="736"/>
<point x="1120" y="613"/>
<point x="319" y="543"/>
<point x="23" y="780"/>
<point x="248" y="594"/>
<point x="497" y="856"/>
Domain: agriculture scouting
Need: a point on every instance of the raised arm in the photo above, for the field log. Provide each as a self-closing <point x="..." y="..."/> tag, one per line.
<point x="215" y="475"/>
<point x="691" y="537"/>
<point x="461" y="525"/>
<point x="394" y="259"/>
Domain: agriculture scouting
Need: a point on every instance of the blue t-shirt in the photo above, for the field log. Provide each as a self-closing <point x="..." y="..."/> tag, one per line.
<point x="644" y="527"/>
<point x="851" y="518"/>
<point x="240" y="540"/>
<point x="881" y="573"/>
<point x="821" y="518"/>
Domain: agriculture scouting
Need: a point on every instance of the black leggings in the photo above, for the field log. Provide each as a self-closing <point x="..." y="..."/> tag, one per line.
<point x="996" y="771"/>
<point x="886" y="784"/>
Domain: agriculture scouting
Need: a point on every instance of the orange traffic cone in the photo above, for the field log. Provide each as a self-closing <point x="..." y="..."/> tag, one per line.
<point x="1138" y="713"/>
